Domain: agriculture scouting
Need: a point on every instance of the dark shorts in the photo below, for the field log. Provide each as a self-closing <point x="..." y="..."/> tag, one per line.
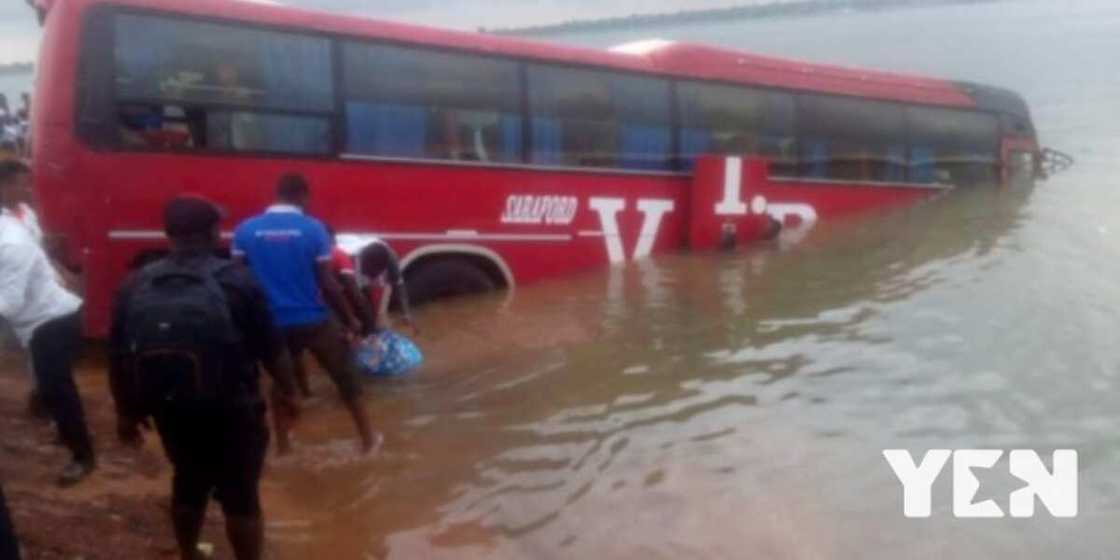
<point x="327" y="342"/>
<point x="217" y="453"/>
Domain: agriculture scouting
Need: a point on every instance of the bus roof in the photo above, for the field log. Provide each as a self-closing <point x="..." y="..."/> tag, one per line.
<point x="701" y="61"/>
<point x="665" y="58"/>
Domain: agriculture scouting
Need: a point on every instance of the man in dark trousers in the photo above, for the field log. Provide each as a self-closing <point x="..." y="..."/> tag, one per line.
<point x="45" y="317"/>
<point x="9" y="545"/>
<point x="187" y="336"/>
<point x="290" y="254"/>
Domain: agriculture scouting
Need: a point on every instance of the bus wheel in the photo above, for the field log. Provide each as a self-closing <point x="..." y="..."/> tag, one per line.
<point x="447" y="278"/>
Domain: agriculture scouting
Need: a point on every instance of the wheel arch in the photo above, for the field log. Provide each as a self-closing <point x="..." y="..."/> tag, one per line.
<point x="492" y="263"/>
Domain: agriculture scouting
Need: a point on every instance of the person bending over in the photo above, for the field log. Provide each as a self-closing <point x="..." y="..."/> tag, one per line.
<point x="379" y="272"/>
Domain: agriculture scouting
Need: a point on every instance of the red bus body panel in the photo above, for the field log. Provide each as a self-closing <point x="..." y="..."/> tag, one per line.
<point x="420" y="206"/>
<point x="103" y="209"/>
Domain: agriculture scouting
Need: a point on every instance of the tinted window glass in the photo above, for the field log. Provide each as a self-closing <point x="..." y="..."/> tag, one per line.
<point x="851" y="139"/>
<point x="953" y="147"/>
<point x="155" y="126"/>
<point x="735" y="120"/>
<point x="415" y="103"/>
<point x="196" y="62"/>
<point x="598" y="119"/>
<point x="97" y="123"/>
<point x="189" y="85"/>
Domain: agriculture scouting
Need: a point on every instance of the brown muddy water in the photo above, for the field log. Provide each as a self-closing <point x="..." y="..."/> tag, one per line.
<point x="736" y="406"/>
<point x="729" y="406"/>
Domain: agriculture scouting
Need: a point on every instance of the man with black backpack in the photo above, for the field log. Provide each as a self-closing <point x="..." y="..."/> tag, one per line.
<point x="188" y="333"/>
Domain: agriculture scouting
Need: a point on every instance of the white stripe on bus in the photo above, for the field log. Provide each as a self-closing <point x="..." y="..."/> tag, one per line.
<point x="156" y="235"/>
<point x="148" y="235"/>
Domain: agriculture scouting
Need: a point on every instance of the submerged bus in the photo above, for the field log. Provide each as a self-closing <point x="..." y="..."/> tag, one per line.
<point x="485" y="161"/>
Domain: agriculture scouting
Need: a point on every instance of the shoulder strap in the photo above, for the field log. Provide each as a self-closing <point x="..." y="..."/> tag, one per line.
<point x="209" y="272"/>
<point x="206" y="274"/>
<point x="162" y="268"/>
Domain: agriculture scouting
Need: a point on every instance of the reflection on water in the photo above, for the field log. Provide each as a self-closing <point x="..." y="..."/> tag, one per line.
<point x="735" y="406"/>
<point x="695" y="404"/>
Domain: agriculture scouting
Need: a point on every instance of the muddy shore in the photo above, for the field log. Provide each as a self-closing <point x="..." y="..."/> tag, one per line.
<point x="120" y="512"/>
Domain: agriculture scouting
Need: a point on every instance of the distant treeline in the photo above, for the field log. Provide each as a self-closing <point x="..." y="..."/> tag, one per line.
<point x="17" y="68"/>
<point x="777" y="8"/>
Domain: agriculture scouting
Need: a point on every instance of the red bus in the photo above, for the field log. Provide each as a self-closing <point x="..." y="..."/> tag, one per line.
<point x="485" y="161"/>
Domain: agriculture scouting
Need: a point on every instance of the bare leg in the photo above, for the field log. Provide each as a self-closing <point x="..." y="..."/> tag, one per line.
<point x="300" y="372"/>
<point x="331" y="348"/>
<point x="360" y="413"/>
<point x="246" y="536"/>
<point x="188" y="526"/>
<point x="283" y="430"/>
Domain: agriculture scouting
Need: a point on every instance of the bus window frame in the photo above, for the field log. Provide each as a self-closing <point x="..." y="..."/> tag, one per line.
<point x="801" y="100"/>
<point x="336" y="119"/>
<point x="104" y="72"/>
<point x="522" y="102"/>
<point x="790" y="94"/>
<point x="103" y="54"/>
<point x="998" y="160"/>
<point x="671" y="158"/>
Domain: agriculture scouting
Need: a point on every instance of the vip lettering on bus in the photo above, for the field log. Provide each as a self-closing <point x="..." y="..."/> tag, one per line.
<point x="484" y="161"/>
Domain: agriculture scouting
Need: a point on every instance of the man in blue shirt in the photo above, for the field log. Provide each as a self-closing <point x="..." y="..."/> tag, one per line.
<point x="290" y="254"/>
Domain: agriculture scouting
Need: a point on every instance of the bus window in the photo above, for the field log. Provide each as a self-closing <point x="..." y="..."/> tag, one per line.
<point x="406" y="102"/>
<point x="184" y="84"/>
<point x="953" y="147"/>
<point x="733" y="120"/>
<point x="598" y="119"/>
<point x="848" y="139"/>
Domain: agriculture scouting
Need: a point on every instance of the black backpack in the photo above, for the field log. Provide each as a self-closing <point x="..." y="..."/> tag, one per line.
<point x="179" y="332"/>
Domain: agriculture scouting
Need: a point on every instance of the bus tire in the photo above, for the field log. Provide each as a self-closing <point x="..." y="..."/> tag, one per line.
<point x="446" y="278"/>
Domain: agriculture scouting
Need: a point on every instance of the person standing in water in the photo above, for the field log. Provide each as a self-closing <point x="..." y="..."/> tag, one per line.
<point x="290" y="254"/>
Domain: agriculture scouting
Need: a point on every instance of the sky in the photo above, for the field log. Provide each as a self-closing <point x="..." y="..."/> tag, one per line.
<point x="471" y="14"/>
<point x="19" y="31"/>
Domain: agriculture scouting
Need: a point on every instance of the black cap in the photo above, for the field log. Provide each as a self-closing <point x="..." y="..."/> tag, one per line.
<point x="189" y="215"/>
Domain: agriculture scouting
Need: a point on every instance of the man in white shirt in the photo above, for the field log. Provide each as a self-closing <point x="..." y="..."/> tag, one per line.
<point x="30" y="220"/>
<point x="19" y="204"/>
<point x="45" y="318"/>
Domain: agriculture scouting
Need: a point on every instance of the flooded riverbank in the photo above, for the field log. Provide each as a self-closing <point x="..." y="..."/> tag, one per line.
<point x="692" y="404"/>
<point x="736" y="405"/>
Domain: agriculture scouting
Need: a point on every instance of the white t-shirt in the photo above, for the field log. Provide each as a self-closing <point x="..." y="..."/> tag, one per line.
<point x="353" y="244"/>
<point x="30" y="220"/>
<point x="31" y="293"/>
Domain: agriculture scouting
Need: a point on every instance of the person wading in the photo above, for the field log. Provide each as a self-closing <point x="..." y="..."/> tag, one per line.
<point x="290" y="254"/>
<point x="46" y="319"/>
<point x="188" y="333"/>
